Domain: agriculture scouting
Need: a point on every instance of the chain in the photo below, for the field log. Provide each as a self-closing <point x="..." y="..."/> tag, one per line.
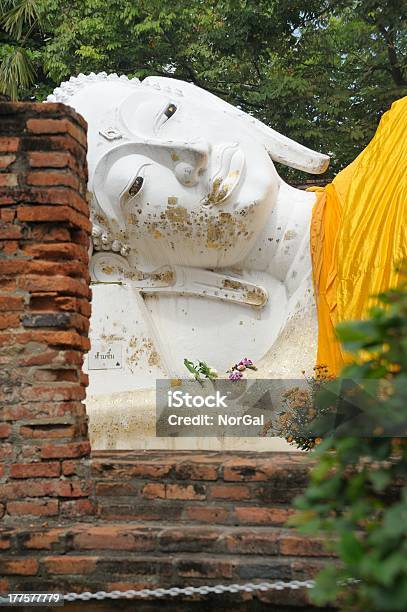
<point x="201" y="590"/>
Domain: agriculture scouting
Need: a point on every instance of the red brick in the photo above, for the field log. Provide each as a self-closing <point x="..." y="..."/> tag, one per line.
<point x="6" y="161"/>
<point x="63" y="431"/>
<point x="46" y="488"/>
<point x="14" y="413"/>
<point x="301" y="546"/>
<point x="84" y="379"/>
<point x="206" y="514"/>
<point x="49" y="469"/>
<point x="115" y="537"/>
<point x="60" y="338"/>
<point x="42" y="410"/>
<point x="10" y="247"/>
<point x="55" y="375"/>
<point x="19" y="567"/>
<point x="263" y="516"/>
<point x="247" y="469"/>
<point x="137" y="469"/>
<point x="55" y="394"/>
<point x="73" y="304"/>
<point x="56" y="126"/>
<point x="7" y="198"/>
<point x="64" y="142"/>
<point x="174" y="491"/>
<point x="69" y="564"/>
<point x="205" y="569"/>
<point x="43" y="540"/>
<point x="59" y="284"/>
<point x="186" y="539"/>
<point x="55" y="108"/>
<point x="231" y="492"/>
<point x="107" y="489"/>
<point x="252" y="542"/>
<point x="196" y="470"/>
<point x="39" y="159"/>
<point x="9" y="321"/>
<point x="11" y="303"/>
<point x="70" y="468"/>
<point x="53" y="214"/>
<point x="57" y="251"/>
<point x="9" y="144"/>
<point x="33" y="508"/>
<point x="44" y="358"/>
<point x="48" y="195"/>
<point x="5" y="430"/>
<point x="75" y="449"/>
<point x="66" y="268"/>
<point x="8" y="180"/>
<point x="7" y="215"/>
<point x="8" y="231"/>
<point x="79" y="507"/>
<point x="42" y="232"/>
<point x="53" y="178"/>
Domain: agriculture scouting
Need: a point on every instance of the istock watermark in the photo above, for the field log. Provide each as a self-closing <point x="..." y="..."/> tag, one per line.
<point x="180" y="399"/>
<point x="256" y="408"/>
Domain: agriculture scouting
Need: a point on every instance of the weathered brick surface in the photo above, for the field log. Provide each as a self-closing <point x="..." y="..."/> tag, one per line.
<point x="234" y="488"/>
<point x="156" y="527"/>
<point x="44" y="312"/>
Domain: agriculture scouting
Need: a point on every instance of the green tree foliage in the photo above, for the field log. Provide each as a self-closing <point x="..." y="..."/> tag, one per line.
<point x="21" y="42"/>
<point x="357" y="496"/>
<point x="320" y="71"/>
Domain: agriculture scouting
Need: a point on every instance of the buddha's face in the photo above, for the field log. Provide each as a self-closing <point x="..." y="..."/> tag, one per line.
<point x="180" y="175"/>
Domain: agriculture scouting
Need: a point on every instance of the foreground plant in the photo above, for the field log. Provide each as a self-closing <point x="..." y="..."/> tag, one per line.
<point x="299" y="411"/>
<point x="236" y="371"/>
<point x="200" y="370"/>
<point x="358" y="494"/>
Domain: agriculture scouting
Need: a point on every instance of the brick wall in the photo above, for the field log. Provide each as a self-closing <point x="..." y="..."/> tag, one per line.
<point x="44" y="312"/>
<point x="175" y="519"/>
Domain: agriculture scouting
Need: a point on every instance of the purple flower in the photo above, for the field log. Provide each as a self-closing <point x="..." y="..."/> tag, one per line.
<point x="246" y="362"/>
<point x="235" y="375"/>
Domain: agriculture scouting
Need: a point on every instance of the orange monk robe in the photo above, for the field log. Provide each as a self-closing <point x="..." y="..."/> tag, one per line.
<point x="358" y="233"/>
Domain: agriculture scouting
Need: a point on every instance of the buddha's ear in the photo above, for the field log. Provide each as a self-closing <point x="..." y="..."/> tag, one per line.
<point x="291" y="153"/>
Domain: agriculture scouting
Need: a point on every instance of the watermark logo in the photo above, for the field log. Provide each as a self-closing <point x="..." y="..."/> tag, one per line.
<point x="182" y="399"/>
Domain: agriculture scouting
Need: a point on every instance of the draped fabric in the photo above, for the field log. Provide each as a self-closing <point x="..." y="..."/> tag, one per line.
<point x="358" y="233"/>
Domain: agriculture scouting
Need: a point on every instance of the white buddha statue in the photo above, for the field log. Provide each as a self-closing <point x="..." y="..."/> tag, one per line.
<point x="200" y="249"/>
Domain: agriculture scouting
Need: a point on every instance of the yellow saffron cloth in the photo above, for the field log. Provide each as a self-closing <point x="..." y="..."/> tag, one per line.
<point x="358" y="233"/>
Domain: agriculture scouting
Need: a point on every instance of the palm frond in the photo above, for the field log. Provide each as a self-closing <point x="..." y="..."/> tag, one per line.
<point x="18" y="14"/>
<point x="16" y="72"/>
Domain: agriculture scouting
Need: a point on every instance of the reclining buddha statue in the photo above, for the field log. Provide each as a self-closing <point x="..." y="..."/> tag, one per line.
<point x="199" y="248"/>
